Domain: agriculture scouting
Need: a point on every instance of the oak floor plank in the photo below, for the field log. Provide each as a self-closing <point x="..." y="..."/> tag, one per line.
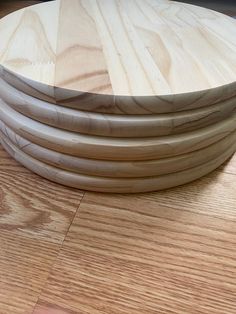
<point x="10" y="164"/>
<point x="230" y="166"/>
<point x="214" y="194"/>
<point x="166" y="252"/>
<point x="35" y="215"/>
<point x="34" y="206"/>
<point x="24" y="267"/>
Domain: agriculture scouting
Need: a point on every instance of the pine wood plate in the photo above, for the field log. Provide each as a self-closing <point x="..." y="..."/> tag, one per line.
<point x="107" y="148"/>
<point x="115" y="125"/>
<point x="139" y="56"/>
<point x="108" y="168"/>
<point x="114" y="185"/>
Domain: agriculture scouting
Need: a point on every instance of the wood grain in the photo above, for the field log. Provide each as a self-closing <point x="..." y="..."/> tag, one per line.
<point x="10" y="164"/>
<point x="33" y="225"/>
<point x="115" y="125"/>
<point x="166" y="252"/>
<point x="159" y="41"/>
<point x="37" y="54"/>
<point x="230" y="167"/>
<point x="94" y="74"/>
<point x="104" y="168"/>
<point x="133" y="67"/>
<point x="80" y="59"/>
<point x="117" y="105"/>
<point x="45" y="218"/>
<point x="24" y="267"/>
<point x="114" y="149"/>
<point x="115" y="185"/>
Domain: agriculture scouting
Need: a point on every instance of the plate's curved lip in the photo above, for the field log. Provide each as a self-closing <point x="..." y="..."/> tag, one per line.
<point x="185" y="95"/>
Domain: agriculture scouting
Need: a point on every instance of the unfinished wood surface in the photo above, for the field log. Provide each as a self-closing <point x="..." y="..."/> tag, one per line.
<point x="114" y="184"/>
<point x="114" y="148"/>
<point x="105" y="168"/>
<point x="128" y="101"/>
<point x="116" y="105"/>
<point x="164" y="252"/>
<point x="115" y="125"/>
<point x="160" y="39"/>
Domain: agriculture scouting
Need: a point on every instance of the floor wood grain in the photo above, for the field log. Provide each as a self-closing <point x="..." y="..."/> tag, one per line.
<point x="166" y="252"/>
<point x="33" y="223"/>
<point x="24" y="265"/>
<point x="35" y="207"/>
<point x="230" y="167"/>
<point x="63" y="252"/>
<point x="9" y="164"/>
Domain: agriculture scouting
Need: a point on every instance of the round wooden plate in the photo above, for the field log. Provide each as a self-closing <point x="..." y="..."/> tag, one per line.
<point x="115" y="125"/>
<point x="114" y="185"/>
<point x="138" y="54"/>
<point x="111" y="168"/>
<point x="114" y="148"/>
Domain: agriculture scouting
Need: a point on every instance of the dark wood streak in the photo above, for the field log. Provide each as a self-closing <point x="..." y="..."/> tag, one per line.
<point x="85" y="76"/>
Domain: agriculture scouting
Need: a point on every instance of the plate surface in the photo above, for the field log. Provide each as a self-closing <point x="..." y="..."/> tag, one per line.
<point x="120" y="47"/>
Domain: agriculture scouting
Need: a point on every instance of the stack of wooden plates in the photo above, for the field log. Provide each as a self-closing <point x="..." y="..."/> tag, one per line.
<point x="117" y="95"/>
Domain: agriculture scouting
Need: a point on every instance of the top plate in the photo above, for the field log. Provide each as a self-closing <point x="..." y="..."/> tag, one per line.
<point x="120" y="47"/>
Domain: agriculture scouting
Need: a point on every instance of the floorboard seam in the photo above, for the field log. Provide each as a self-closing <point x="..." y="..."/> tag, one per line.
<point x="59" y="250"/>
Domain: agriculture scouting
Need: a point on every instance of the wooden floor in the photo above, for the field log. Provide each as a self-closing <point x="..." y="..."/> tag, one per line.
<point x="64" y="251"/>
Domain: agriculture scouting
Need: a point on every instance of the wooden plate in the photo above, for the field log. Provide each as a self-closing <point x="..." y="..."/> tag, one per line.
<point x="107" y="148"/>
<point x="115" y="185"/>
<point x="130" y="57"/>
<point x="115" y="125"/>
<point x="107" y="168"/>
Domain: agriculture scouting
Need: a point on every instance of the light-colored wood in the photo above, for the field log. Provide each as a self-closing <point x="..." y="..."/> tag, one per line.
<point x="39" y="28"/>
<point x="113" y="169"/>
<point x="86" y="103"/>
<point x="115" y="185"/>
<point x="159" y="40"/>
<point x="165" y="252"/>
<point x="117" y="105"/>
<point x="134" y="68"/>
<point x="115" y="125"/>
<point x="114" y="148"/>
